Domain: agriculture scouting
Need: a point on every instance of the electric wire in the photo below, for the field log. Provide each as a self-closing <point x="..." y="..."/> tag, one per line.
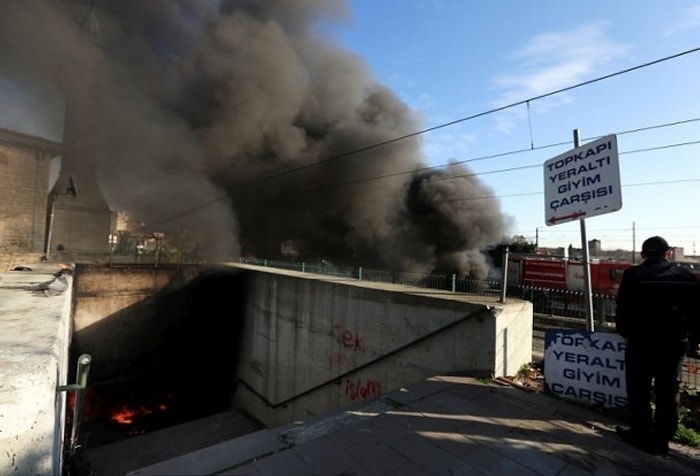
<point x="460" y="176"/>
<point x="475" y="116"/>
<point x="448" y="124"/>
<point x="453" y="177"/>
<point x="527" y="194"/>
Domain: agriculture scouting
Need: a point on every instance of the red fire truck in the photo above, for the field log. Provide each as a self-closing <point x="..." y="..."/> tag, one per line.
<point x="559" y="273"/>
<point x="554" y="285"/>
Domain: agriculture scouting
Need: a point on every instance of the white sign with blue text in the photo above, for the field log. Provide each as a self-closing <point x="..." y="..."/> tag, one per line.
<point x="583" y="182"/>
<point x="586" y="366"/>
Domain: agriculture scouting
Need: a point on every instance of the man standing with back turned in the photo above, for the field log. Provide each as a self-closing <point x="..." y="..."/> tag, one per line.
<point x="658" y="314"/>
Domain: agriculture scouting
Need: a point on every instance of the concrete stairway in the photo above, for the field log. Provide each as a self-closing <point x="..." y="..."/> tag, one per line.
<point x="119" y="458"/>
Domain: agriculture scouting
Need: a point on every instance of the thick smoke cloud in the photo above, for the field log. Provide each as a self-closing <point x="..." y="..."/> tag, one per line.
<point x="232" y="122"/>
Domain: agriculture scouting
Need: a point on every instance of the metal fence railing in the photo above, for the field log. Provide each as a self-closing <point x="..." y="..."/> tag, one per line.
<point x="153" y="249"/>
<point x="564" y="303"/>
<point x="561" y="302"/>
<point x="127" y="249"/>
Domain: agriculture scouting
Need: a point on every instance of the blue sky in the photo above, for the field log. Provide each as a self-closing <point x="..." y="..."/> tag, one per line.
<point x="453" y="59"/>
<point x="450" y="60"/>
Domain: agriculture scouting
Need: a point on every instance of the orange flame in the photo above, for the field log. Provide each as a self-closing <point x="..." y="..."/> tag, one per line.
<point x="125" y="415"/>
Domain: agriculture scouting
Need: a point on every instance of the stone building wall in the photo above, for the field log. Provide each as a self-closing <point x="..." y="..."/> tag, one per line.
<point x="24" y="183"/>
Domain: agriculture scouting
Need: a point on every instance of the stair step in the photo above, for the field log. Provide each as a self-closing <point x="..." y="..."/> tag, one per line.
<point x="138" y="451"/>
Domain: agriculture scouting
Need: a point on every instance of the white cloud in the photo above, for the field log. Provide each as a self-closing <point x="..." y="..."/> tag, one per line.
<point x="690" y="20"/>
<point x="555" y="60"/>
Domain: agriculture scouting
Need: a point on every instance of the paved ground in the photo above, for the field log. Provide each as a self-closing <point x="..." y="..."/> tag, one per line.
<point x="119" y="458"/>
<point x="446" y="425"/>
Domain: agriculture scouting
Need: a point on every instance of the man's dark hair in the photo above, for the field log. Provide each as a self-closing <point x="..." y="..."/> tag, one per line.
<point x="655" y="247"/>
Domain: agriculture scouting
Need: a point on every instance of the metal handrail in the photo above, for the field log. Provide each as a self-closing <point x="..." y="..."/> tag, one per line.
<point x="79" y="387"/>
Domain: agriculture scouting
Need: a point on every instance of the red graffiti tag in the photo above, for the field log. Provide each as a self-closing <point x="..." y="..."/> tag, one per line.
<point x="362" y="390"/>
<point x="347" y="338"/>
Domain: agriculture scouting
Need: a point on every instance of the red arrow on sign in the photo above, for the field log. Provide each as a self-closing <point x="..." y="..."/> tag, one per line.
<point x="570" y="216"/>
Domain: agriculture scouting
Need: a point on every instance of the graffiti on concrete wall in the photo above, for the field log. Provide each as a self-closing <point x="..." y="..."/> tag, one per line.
<point x="362" y="389"/>
<point x="348" y="338"/>
<point x="351" y="341"/>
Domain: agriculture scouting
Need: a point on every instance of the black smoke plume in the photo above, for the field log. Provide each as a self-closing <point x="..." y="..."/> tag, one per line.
<point x="234" y="122"/>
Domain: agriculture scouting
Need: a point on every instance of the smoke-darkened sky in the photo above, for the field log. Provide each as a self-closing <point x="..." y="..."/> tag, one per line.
<point x="242" y="124"/>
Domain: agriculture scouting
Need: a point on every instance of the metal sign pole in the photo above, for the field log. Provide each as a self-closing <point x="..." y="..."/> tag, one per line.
<point x="504" y="280"/>
<point x="586" y="261"/>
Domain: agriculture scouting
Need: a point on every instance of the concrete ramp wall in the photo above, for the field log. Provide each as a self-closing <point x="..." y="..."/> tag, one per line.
<point x="34" y="362"/>
<point x="293" y="344"/>
<point x="123" y="315"/>
<point x="312" y="343"/>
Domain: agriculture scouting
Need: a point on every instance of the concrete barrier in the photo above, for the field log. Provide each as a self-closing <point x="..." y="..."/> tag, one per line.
<point x="34" y="343"/>
<point x="313" y="343"/>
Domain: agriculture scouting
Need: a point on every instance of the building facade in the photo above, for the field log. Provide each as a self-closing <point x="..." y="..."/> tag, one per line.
<point x="24" y="187"/>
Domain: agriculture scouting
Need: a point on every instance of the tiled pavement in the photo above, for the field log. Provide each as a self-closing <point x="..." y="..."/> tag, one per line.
<point x="446" y="425"/>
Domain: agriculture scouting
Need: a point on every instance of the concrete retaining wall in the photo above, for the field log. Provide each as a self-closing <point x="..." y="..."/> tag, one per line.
<point x="312" y="343"/>
<point x="298" y="344"/>
<point x="123" y="315"/>
<point x="34" y="342"/>
<point x="174" y="328"/>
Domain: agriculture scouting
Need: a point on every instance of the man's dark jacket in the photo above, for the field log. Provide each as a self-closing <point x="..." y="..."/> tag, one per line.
<point x="658" y="301"/>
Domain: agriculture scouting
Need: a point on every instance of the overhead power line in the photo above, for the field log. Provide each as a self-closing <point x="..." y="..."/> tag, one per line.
<point x="614" y="234"/>
<point x="453" y="177"/>
<point x="473" y="116"/>
<point x="448" y="124"/>
<point x="622" y="229"/>
<point x="458" y="176"/>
